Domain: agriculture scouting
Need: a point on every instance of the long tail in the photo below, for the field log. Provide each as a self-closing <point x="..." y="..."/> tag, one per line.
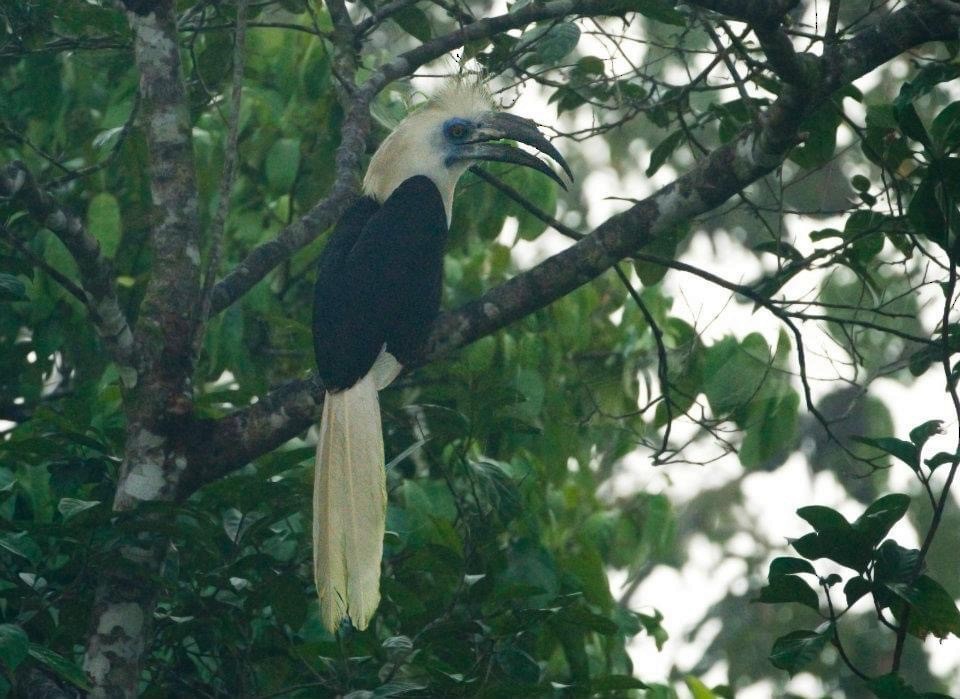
<point x="349" y="505"/>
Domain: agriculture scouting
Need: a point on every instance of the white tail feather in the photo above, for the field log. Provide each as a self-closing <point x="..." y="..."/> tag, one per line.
<point x="349" y="505"/>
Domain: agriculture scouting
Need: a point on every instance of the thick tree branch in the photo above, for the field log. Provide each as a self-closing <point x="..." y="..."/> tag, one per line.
<point x="96" y="273"/>
<point x="261" y="260"/>
<point x="757" y="13"/>
<point x="724" y="172"/>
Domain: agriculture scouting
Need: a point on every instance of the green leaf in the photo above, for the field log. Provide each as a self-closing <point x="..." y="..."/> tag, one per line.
<point x="104" y="223"/>
<point x="788" y="565"/>
<point x="909" y="122"/>
<point x="698" y="689"/>
<point x="551" y="42"/>
<point x="11" y="288"/>
<point x="921" y="433"/>
<point x="893" y="686"/>
<point x="733" y="372"/>
<point x="663" y="246"/>
<point x="518" y="665"/>
<point x="21" y="545"/>
<point x="855" y="588"/>
<point x="934" y="610"/>
<point x="844" y="546"/>
<point x="288" y="600"/>
<point x="821" y="141"/>
<point x="771" y="425"/>
<point x="789" y="588"/>
<point x="797" y="649"/>
<point x="614" y="683"/>
<point x="881" y="515"/>
<point x="62" y="667"/>
<point x="659" y="10"/>
<point x="282" y="164"/>
<point x="414" y="22"/>
<point x="934" y="201"/>
<point x="941" y="458"/>
<point x="823" y="519"/>
<point x="14" y="645"/>
<point x="860" y="183"/>
<point x="894" y="563"/>
<point x="590" y="65"/>
<point x="945" y="129"/>
<point x="69" y="507"/>
<point x="905" y="451"/>
<point x="106" y="139"/>
<point x="663" y="151"/>
<point x="581" y="617"/>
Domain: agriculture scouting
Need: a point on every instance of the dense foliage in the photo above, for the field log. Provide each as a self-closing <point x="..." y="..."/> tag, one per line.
<point x="503" y="522"/>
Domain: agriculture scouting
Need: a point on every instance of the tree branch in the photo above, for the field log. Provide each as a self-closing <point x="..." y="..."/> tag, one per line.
<point x="717" y="177"/>
<point x="356" y="126"/>
<point x="756" y="13"/>
<point x="226" y="179"/>
<point x="96" y="272"/>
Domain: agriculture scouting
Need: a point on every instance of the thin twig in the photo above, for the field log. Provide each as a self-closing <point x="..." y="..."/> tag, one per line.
<point x="218" y="224"/>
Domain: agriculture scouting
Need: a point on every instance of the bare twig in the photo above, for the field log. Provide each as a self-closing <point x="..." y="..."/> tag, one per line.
<point x="218" y="223"/>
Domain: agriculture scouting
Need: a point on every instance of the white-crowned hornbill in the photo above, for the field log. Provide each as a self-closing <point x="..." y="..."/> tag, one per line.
<point x="378" y="289"/>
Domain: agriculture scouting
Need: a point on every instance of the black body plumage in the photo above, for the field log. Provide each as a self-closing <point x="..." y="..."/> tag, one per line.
<point x="379" y="281"/>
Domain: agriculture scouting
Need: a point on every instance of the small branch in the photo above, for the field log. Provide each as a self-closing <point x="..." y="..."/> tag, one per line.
<point x="949" y="292"/>
<point x="663" y="369"/>
<point x="783" y="58"/>
<point x="382" y="13"/>
<point x="264" y="258"/>
<point x="836" y="636"/>
<point x="715" y="178"/>
<point x="96" y="273"/>
<point x="227" y="178"/>
<point x="757" y="13"/>
<point x="833" y="15"/>
<point x="57" y="276"/>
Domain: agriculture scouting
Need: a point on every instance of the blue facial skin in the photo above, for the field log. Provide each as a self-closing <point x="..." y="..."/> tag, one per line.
<point x="456" y="132"/>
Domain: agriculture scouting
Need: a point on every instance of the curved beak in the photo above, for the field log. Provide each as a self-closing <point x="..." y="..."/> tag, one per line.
<point x="496" y="126"/>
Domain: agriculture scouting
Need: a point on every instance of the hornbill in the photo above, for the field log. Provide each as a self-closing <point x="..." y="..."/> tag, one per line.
<point x="378" y="287"/>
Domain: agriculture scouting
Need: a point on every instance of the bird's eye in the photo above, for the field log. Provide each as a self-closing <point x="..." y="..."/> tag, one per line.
<point x="457" y="130"/>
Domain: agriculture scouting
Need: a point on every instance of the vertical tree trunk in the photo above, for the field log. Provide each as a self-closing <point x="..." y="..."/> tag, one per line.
<point x="157" y="398"/>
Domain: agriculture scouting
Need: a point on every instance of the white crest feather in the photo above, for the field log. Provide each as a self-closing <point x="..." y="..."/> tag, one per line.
<point x="415" y="147"/>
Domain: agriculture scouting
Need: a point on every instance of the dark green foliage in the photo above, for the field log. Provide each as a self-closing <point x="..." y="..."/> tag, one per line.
<point x="503" y="525"/>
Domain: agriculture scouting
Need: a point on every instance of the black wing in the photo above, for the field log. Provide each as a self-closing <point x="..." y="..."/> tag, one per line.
<point x="379" y="281"/>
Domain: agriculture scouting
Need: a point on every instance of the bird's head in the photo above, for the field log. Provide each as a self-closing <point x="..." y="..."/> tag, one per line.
<point x="454" y="129"/>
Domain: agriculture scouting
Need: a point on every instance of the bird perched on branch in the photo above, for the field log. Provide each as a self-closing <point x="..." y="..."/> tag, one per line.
<point x="379" y="281"/>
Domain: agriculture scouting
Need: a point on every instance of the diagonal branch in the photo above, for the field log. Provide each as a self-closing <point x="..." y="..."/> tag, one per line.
<point x="96" y="273"/>
<point x="356" y="127"/>
<point x="717" y="177"/>
<point x="757" y="13"/>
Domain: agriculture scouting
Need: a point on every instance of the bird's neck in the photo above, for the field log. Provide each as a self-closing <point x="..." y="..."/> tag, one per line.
<point x="399" y="158"/>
